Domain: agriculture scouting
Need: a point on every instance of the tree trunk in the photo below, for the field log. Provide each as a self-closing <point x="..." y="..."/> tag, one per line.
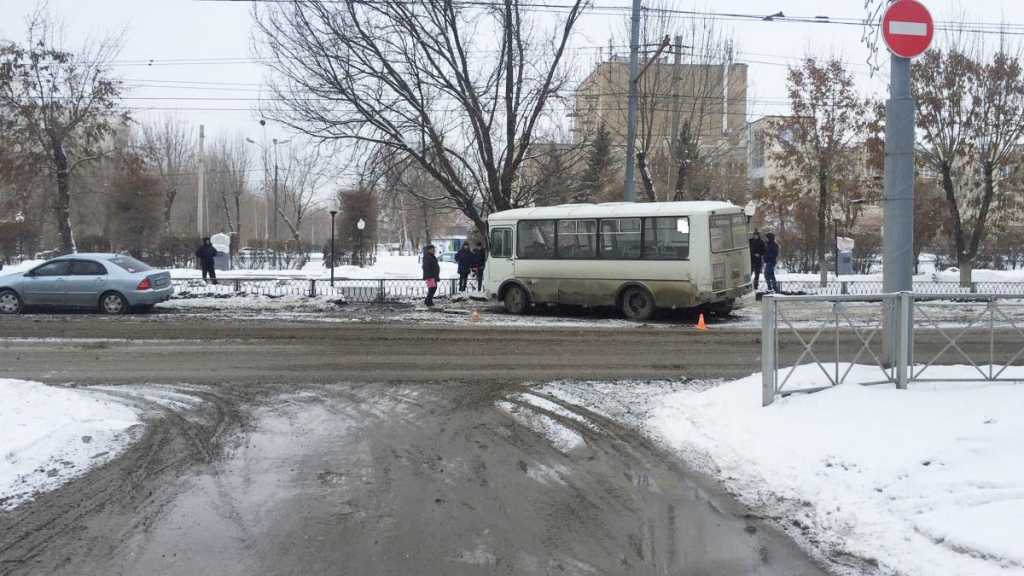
<point x="645" y="176"/>
<point x="238" y="224"/>
<point x="966" y="268"/>
<point x="168" y="207"/>
<point x="822" y="226"/>
<point x="62" y="203"/>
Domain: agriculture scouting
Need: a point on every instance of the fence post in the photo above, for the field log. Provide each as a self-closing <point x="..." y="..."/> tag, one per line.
<point x="769" y="348"/>
<point x="904" y="338"/>
<point x="844" y="289"/>
<point x="974" y="287"/>
<point x="381" y="296"/>
<point x="312" y="288"/>
<point x="238" y="285"/>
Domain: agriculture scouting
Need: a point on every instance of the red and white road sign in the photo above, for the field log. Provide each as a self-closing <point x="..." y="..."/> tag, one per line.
<point x="908" y="28"/>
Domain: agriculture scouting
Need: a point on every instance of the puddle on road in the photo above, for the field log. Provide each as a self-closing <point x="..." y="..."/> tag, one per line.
<point x="420" y="480"/>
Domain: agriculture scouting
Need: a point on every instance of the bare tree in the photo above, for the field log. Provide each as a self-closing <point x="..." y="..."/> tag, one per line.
<point x="304" y="179"/>
<point x="227" y="179"/>
<point x="971" y="116"/>
<point x="828" y="119"/>
<point x="684" y="111"/>
<point x="67" y="101"/>
<point x="421" y="78"/>
<point x="167" y="144"/>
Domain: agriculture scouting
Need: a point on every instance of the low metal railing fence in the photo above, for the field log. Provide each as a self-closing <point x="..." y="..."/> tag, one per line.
<point x="907" y="336"/>
<point x="352" y="291"/>
<point x="866" y="287"/>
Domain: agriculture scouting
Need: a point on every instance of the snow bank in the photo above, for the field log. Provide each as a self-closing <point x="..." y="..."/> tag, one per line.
<point x="387" y="267"/>
<point x="49" y="435"/>
<point x="23" y="266"/>
<point x="927" y="481"/>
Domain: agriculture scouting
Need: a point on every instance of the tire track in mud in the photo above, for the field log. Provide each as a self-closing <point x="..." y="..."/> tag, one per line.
<point x="125" y="495"/>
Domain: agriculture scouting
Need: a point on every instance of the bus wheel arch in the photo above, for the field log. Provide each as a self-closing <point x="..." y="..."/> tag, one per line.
<point x="636" y="301"/>
<point x="519" y="304"/>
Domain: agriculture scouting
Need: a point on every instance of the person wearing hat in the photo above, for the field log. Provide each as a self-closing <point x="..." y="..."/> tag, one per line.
<point x="431" y="274"/>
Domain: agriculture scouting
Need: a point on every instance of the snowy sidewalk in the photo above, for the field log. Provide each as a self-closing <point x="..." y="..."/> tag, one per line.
<point x="49" y="435"/>
<point x="926" y="482"/>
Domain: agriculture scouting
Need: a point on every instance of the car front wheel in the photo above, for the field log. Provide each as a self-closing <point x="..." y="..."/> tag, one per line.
<point x="10" y="302"/>
<point x="113" y="303"/>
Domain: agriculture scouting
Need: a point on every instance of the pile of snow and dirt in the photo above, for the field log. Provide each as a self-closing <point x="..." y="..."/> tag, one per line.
<point x="926" y="481"/>
<point x="49" y="435"/>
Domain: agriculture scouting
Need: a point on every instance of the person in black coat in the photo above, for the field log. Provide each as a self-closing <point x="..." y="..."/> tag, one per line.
<point x="771" y="257"/>
<point x="480" y="259"/>
<point x="756" y="257"/>
<point x="431" y="274"/>
<point x="205" y="256"/>
<point x="465" y="259"/>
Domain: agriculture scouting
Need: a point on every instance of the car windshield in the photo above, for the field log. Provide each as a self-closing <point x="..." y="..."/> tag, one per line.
<point x="130" y="264"/>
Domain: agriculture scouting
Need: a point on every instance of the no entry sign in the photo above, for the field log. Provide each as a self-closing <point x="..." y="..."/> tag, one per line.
<point x="907" y="28"/>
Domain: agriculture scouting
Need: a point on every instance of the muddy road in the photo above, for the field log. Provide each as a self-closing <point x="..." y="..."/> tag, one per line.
<point x="387" y="479"/>
<point x="340" y="448"/>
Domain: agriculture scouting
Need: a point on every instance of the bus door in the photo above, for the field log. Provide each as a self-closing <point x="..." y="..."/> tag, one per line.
<point x="500" y="261"/>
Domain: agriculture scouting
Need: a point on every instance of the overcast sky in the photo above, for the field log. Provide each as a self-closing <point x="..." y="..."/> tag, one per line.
<point x="201" y="50"/>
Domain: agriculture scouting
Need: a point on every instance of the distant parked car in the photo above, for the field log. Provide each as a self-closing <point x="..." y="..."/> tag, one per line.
<point x="113" y="283"/>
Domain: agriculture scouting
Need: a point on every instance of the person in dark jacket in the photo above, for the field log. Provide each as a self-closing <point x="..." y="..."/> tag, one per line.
<point x="771" y="257"/>
<point x="431" y="274"/>
<point x="756" y="257"/>
<point x="465" y="259"/>
<point x="205" y="256"/>
<point x="480" y="259"/>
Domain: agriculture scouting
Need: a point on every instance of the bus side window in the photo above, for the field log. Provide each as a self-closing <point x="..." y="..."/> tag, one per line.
<point x="501" y="243"/>
<point x="667" y="238"/>
<point x="536" y="239"/>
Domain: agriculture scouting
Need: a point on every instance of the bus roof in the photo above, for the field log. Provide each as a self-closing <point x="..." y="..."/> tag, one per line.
<point x="613" y="209"/>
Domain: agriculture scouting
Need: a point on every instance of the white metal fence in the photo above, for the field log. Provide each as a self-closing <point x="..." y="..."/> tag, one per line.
<point x="352" y="291"/>
<point x="983" y="331"/>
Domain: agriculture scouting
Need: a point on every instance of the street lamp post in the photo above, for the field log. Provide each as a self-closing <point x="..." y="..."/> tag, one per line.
<point x="271" y="221"/>
<point x="360" y="226"/>
<point x="333" y="214"/>
<point x="19" y="219"/>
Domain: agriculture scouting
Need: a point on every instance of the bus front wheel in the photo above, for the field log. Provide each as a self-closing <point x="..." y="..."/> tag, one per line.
<point x="515" y="300"/>
<point x="637" y="304"/>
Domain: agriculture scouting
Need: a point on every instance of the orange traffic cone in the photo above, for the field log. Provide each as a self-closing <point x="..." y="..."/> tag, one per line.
<point x="700" y="323"/>
<point x="475" y="316"/>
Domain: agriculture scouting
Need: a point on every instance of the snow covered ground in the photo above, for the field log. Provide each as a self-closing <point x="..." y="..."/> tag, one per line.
<point x="49" y="435"/>
<point x="925" y="482"/>
<point x="387" y="267"/>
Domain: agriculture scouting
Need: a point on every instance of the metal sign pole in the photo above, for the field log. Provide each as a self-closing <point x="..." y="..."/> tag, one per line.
<point x="898" y="232"/>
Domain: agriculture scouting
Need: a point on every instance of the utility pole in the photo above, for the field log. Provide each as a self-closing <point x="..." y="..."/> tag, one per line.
<point x="677" y="104"/>
<point x="200" y="191"/>
<point x="634" y="65"/>
<point x="725" y="89"/>
<point x="273" y="221"/>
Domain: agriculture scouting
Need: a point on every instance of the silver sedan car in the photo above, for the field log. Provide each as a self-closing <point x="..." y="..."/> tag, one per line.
<point x="114" y="283"/>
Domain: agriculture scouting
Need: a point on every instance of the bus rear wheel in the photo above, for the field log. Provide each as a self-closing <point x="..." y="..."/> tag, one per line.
<point x="515" y="300"/>
<point x="637" y="304"/>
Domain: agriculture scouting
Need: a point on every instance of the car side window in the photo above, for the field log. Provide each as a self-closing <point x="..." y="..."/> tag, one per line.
<point x="59" y="268"/>
<point x="87" y="268"/>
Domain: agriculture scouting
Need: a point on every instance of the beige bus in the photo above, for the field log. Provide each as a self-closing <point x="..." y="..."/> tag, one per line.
<point x="635" y="256"/>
